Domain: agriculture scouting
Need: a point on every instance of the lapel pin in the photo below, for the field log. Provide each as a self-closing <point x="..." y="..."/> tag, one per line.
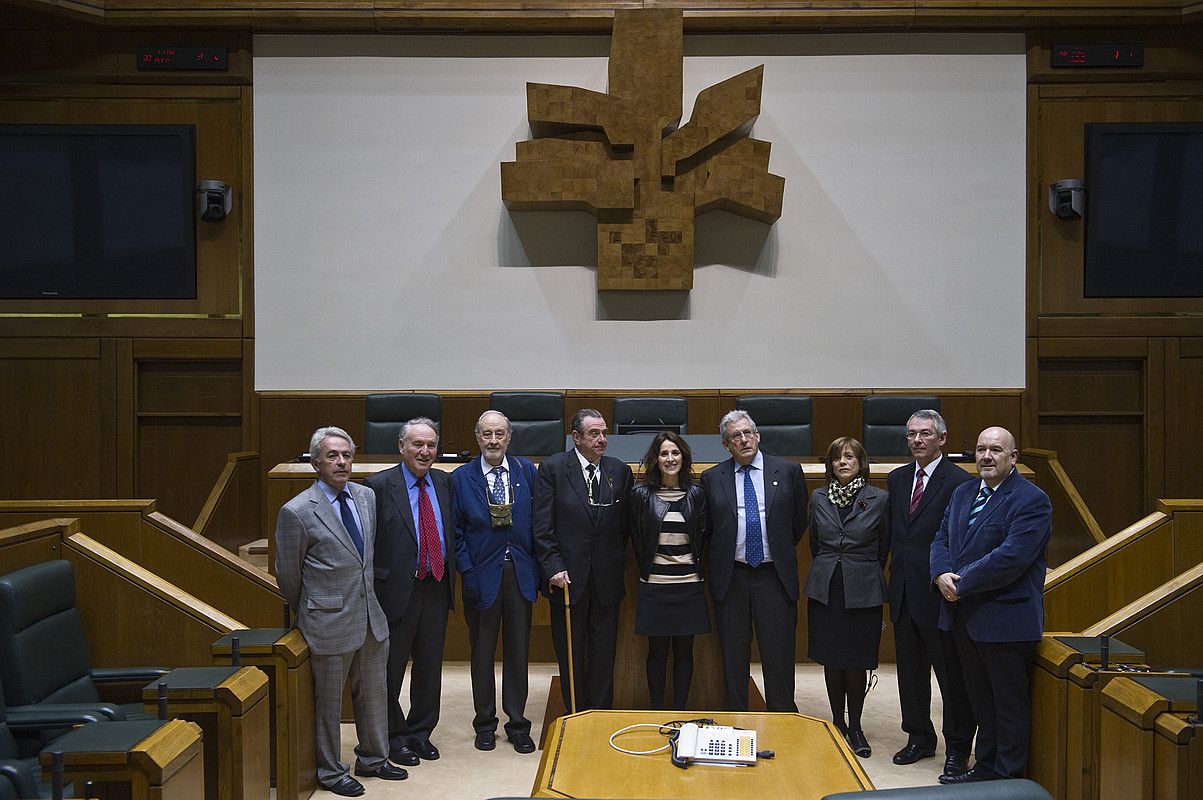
<point x="774" y="483"/>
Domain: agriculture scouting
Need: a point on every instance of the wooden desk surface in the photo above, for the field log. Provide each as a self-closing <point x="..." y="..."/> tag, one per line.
<point x="811" y="759"/>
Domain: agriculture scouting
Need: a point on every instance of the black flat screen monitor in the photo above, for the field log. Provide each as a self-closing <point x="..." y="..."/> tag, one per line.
<point x="97" y="212"/>
<point x="1144" y="210"/>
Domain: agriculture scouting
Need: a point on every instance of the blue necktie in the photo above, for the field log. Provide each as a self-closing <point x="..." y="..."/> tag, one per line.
<point x="753" y="546"/>
<point x="344" y="510"/>
<point x="979" y="503"/>
<point x="498" y="495"/>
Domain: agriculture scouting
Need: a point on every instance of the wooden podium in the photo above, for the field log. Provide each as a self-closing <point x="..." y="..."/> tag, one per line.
<point x="283" y="655"/>
<point x="1148" y="750"/>
<point x="1067" y="682"/>
<point x="230" y="706"/>
<point x="811" y="759"/>
<point x="142" y="760"/>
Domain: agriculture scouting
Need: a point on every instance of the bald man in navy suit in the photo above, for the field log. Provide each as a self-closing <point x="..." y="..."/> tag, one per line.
<point x="988" y="563"/>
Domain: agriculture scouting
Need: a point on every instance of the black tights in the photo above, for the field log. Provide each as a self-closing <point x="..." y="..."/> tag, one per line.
<point x="846" y="686"/>
<point x="657" y="668"/>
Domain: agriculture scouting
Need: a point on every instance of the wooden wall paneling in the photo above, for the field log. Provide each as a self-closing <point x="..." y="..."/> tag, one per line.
<point x="1184" y="416"/>
<point x="125" y="443"/>
<point x="216" y="113"/>
<point x="1167" y="624"/>
<point x="32" y="543"/>
<point x="1155" y="430"/>
<point x="188" y="399"/>
<point x="1063" y="111"/>
<point x="1188" y="531"/>
<point x="231" y="514"/>
<point x="969" y="415"/>
<point x="55" y="394"/>
<point x="457" y="429"/>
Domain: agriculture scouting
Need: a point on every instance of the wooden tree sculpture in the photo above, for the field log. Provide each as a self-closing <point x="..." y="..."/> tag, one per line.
<point x="622" y="157"/>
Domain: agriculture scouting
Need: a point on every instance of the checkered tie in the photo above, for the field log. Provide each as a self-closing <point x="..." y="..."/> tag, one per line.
<point x="430" y="550"/>
<point x="498" y="494"/>
<point x="979" y="503"/>
<point x="753" y="546"/>
<point x="918" y="495"/>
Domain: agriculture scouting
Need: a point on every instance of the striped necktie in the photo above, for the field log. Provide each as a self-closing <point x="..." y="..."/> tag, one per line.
<point x="979" y="503"/>
<point x="918" y="495"/>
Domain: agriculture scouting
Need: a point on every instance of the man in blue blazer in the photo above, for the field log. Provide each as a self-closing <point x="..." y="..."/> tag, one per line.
<point x="988" y="563"/>
<point x="494" y="551"/>
<point x="919" y="493"/>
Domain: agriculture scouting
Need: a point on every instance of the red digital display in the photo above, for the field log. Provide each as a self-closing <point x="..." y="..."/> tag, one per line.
<point x="1098" y="54"/>
<point x="183" y="58"/>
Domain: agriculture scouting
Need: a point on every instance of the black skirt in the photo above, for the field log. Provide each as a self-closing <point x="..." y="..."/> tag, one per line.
<point x="671" y="609"/>
<point x="842" y="638"/>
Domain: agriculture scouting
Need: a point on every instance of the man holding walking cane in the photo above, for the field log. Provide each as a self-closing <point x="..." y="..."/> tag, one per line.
<point x="581" y="512"/>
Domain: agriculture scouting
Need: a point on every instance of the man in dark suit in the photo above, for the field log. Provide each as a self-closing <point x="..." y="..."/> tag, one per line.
<point x="919" y="493"/>
<point x="324" y="546"/>
<point x="414" y="582"/>
<point x="758" y="513"/>
<point x="494" y="550"/>
<point x="988" y="563"/>
<point x="581" y="517"/>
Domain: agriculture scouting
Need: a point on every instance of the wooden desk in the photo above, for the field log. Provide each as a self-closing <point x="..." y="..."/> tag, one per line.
<point x="283" y="655"/>
<point x="144" y="760"/>
<point x="1067" y="682"/>
<point x="812" y="760"/>
<point x="231" y="707"/>
<point x="1147" y="750"/>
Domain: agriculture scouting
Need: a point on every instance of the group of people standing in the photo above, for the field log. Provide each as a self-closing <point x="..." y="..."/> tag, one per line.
<point x="371" y="571"/>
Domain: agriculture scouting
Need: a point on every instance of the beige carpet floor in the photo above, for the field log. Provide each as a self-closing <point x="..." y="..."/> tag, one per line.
<point x="464" y="773"/>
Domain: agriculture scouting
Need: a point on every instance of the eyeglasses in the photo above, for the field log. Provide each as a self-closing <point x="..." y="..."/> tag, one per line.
<point x="920" y="434"/>
<point x="739" y="436"/>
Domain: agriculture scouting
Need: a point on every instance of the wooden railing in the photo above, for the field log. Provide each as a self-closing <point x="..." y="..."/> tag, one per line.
<point x="230" y="515"/>
<point x="130" y="615"/>
<point x="1075" y="529"/>
<point x="1125" y="567"/>
<point x="1166" y="623"/>
<point x="168" y="549"/>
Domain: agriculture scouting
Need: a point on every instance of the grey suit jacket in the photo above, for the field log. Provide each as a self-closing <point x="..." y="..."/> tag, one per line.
<point x="860" y="543"/>
<point x="323" y="577"/>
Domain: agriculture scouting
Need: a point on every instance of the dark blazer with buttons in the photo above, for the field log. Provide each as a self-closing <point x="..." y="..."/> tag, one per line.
<point x="911" y="537"/>
<point x="479" y="547"/>
<point x="1001" y="560"/>
<point x="397" y="539"/>
<point x="860" y="543"/>
<point x="785" y="514"/>
<point x="647" y="516"/>
<point x="587" y="541"/>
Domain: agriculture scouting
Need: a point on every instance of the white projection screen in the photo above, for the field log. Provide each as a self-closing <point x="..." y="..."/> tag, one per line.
<point x="385" y="259"/>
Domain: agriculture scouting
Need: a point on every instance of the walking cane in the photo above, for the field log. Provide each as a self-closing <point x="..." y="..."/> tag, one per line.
<point x="568" y="629"/>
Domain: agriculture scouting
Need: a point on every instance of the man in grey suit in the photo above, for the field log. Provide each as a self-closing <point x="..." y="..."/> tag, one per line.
<point x="324" y="539"/>
<point x="758" y="513"/>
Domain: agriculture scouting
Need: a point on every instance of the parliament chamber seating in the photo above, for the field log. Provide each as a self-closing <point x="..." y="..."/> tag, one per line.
<point x="43" y="650"/>
<point x="385" y="413"/>
<point x="884" y="418"/>
<point x="784" y="422"/>
<point x="536" y="421"/>
<point x="635" y="414"/>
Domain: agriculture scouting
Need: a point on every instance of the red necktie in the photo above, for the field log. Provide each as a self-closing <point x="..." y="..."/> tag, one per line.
<point x="918" y="495"/>
<point x="430" y="551"/>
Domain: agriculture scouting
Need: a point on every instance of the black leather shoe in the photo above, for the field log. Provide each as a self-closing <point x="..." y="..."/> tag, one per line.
<point x="975" y="775"/>
<point x="522" y="742"/>
<point x="403" y="755"/>
<point x="956" y="764"/>
<point x="346" y="786"/>
<point x="486" y="740"/>
<point x="859" y="744"/>
<point x="385" y="772"/>
<point x="913" y="752"/>
<point x="424" y="749"/>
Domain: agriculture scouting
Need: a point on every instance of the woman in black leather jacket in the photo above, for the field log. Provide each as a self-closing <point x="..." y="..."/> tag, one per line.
<point x="669" y="513"/>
